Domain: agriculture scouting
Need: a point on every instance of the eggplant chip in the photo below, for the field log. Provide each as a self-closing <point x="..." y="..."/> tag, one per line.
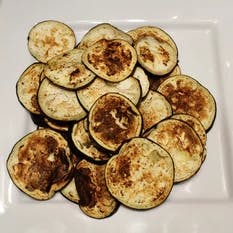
<point x="39" y="163"/>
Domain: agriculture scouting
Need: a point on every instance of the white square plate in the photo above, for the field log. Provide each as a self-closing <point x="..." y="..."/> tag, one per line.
<point x="203" y="33"/>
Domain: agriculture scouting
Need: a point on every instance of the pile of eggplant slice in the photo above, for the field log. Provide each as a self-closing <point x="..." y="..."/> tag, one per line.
<point x="117" y="123"/>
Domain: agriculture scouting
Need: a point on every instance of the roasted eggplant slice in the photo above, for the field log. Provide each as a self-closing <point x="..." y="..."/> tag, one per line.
<point x="39" y="163"/>
<point x="112" y="60"/>
<point x="68" y="71"/>
<point x="187" y="95"/>
<point x="143" y="79"/>
<point x="156" y="50"/>
<point x="128" y="87"/>
<point x="196" y="125"/>
<point x="182" y="143"/>
<point x="58" y="103"/>
<point x="50" y="38"/>
<point x="83" y="142"/>
<point x="141" y="175"/>
<point x="156" y="80"/>
<point x="155" y="56"/>
<point x="27" y="87"/>
<point x="103" y="31"/>
<point x="95" y="199"/>
<point x="113" y="119"/>
<point x="154" y="108"/>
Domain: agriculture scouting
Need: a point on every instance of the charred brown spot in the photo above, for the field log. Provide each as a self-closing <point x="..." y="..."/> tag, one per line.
<point x="121" y="174"/>
<point x="112" y="58"/>
<point x="41" y="163"/>
<point x="146" y="54"/>
<point x="164" y="54"/>
<point x="85" y="187"/>
<point x="90" y="183"/>
<point x="34" y="102"/>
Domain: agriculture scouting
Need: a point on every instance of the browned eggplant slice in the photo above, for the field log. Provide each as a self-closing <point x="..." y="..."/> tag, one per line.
<point x="187" y="95"/>
<point x="113" y="119"/>
<point x="103" y="31"/>
<point x="50" y="38"/>
<point x="156" y="56"/>
<point x="27" y="87"/>
<point x="39" y="163"/>
<point x="112" y="60"/>
<point x="95" y="199"/>
<point x="154" y="108"/>
<point x="83" y="142"/>
<point x="141" y="175"/>
<point x="182" y="143"/>
<point x="68" y="71"/>
<point x="128" y="87"/>
<point x="58" y="103"/>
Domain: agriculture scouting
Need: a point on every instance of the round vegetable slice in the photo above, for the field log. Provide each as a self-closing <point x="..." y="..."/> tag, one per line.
<point x="154" y="108"/>
<point x="68" y="71"/>
<point x="113" y="119"/>
<point x="141" y="175"/>
<point x="103" y="31"/>
<point x="83" y="142"/>
<point x="156" y="56"/>
<point x="39" y="163"/>
<point x="182" y="143"/>
<point x="187" y="95"/>
<point x="128" y="87"/>
<point x="112" y="60"/>
<point x="50" y="38"/>
<point x="58" y="103"/>
<point x="27" y="87"/>
<point x="95" y="199"/>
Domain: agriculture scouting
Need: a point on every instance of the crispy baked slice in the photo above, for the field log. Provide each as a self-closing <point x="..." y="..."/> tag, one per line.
<point x="141" y="175"/>
<point x="103" y="31"/>
<point x="182" y="143"/>
<point x="58" y="103"/>
<point x="128" y="87"/>
<point x="155" y="55"/>
<point x="68" y="71"/>
<point x="27" y="87"/>
<point x="95" y="199"/>
<point x="157" y="51"/>
<point x="197" y="126"/>
<point x="50" y="38"/>
<point x="112" y="60"/>
<point x="85" y="144"/>
<point x="187" y="95"/>
<point x="39" y="163"/>
<point x="154" y="108"/>
<point x="113" y="119"/>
